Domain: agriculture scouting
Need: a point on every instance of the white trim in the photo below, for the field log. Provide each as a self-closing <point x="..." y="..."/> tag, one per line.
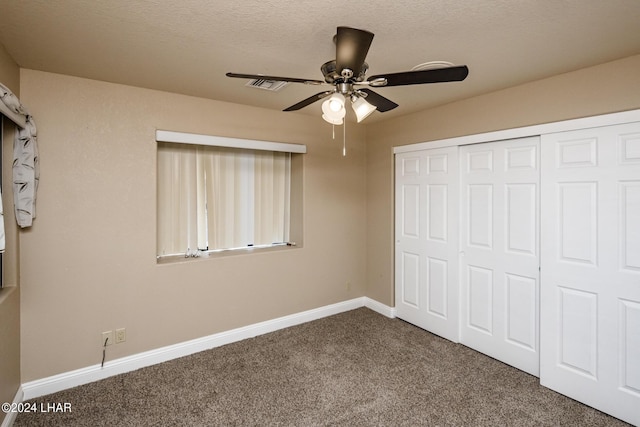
<point x="93" y="373"/>
<point x="18" y="119"/>
<point x="562" y="126"/>
<point x="380" y="308"/>
<point x="10" y="417"/>
<point x="220" y="141"/>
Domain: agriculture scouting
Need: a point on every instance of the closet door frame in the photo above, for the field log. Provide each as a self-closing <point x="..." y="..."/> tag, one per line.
<point x="527" y="131"/>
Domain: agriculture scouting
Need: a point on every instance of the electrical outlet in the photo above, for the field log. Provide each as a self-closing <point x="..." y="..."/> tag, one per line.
<point x="107" y="337"/>
<point x="348" y="286"/>
<point x="121" y="335"/>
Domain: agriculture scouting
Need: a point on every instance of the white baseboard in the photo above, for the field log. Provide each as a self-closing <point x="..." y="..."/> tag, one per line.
<point x="378" y="307"/>
<point x="93" y="373"/>
<point x="10" y="417"/>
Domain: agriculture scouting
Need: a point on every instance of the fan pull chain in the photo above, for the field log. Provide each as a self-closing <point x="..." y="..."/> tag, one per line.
<point x="344" y="138"/>
<point x="333" y="131"/>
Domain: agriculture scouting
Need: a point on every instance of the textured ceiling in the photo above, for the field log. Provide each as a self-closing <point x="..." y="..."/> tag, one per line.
<point x="187" y="46"/>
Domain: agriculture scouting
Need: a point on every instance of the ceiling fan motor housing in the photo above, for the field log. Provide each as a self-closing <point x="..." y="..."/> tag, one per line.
<point x="331" y="74"/>
<point x="344" y="88"/>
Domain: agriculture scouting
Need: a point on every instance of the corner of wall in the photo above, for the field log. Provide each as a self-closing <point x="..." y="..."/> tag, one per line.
<point x="10" y="376"/>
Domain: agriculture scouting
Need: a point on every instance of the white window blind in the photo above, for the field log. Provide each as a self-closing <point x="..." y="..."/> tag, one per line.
<point x="215" y="198"/>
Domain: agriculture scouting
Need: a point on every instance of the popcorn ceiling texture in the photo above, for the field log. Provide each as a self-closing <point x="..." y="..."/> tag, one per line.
<point x="186" y="47"/>
<point x="355" y="368"/>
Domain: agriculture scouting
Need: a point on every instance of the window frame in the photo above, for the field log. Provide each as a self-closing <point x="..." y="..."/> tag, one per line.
<point x="295" y="177"/>
<point x="223" y="141"/>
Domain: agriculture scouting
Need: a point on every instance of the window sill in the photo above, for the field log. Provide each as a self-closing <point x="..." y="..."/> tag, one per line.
<point x="174" y="259"/>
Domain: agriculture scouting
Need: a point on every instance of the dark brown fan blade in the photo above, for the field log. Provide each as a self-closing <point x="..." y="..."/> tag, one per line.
<point x="352" y="46"/>
<point x="275" y="78"/>
<point x="310" y="100"/>
<point x="439" y="75"/>
<point x="382" y="104"/>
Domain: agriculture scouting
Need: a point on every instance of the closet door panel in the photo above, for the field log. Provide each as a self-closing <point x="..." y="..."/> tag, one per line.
<point x="480" y="305"/>
<point x="521" y="218"/>
<point x="437" y="287"/>
<point x="408" y="231"/>
<point x="410" y="279"/>
<point x="521" y="310"/>
<point x="590" y="295"/>
<point x="426" y="240"/>
<point x="499" y="250"/>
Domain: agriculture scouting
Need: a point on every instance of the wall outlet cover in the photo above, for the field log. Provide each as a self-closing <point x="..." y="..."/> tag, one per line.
<point x="121" y="335"/>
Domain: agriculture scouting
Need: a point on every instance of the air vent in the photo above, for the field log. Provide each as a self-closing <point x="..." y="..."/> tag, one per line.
<point x="272" y="85"/>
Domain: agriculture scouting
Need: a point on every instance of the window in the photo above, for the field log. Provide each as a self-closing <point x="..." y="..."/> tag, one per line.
<point x="215" y="198"/>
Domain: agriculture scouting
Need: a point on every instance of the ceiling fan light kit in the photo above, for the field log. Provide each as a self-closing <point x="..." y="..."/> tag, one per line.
<point x="361" y="107"/>
<point x="335" y="103"/>
<point x="347" y="73"/>
<point x="333" y="109"/>
<point x="332" y="120"/>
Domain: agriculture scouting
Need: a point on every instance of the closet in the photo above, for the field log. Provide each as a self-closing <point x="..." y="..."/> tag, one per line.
<point x="525" y="245"/>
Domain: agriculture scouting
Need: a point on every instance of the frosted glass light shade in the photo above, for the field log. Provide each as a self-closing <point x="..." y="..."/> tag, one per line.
<point x="362" y="109"/>
<point x="333" y="121"/>
<point x="335" y="102"/>
<point x="333" y="109"/>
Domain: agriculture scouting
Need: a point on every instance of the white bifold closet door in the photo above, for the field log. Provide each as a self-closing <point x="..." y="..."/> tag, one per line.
<point x="426" y="236"/>
<point x="590" y="296"/>
<point x="499" y="250"/>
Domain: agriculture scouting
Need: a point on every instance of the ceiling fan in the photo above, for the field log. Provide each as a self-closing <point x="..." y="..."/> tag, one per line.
<point x="347" y="74"/>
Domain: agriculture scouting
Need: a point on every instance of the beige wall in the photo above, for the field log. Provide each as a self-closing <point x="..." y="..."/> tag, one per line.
<point x="88" y="263"/>
<point x="10" y="296"/>
<point x="606" y="88"/>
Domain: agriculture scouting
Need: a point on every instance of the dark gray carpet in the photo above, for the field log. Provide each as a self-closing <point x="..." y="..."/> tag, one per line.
<point x="353" y="369"/>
